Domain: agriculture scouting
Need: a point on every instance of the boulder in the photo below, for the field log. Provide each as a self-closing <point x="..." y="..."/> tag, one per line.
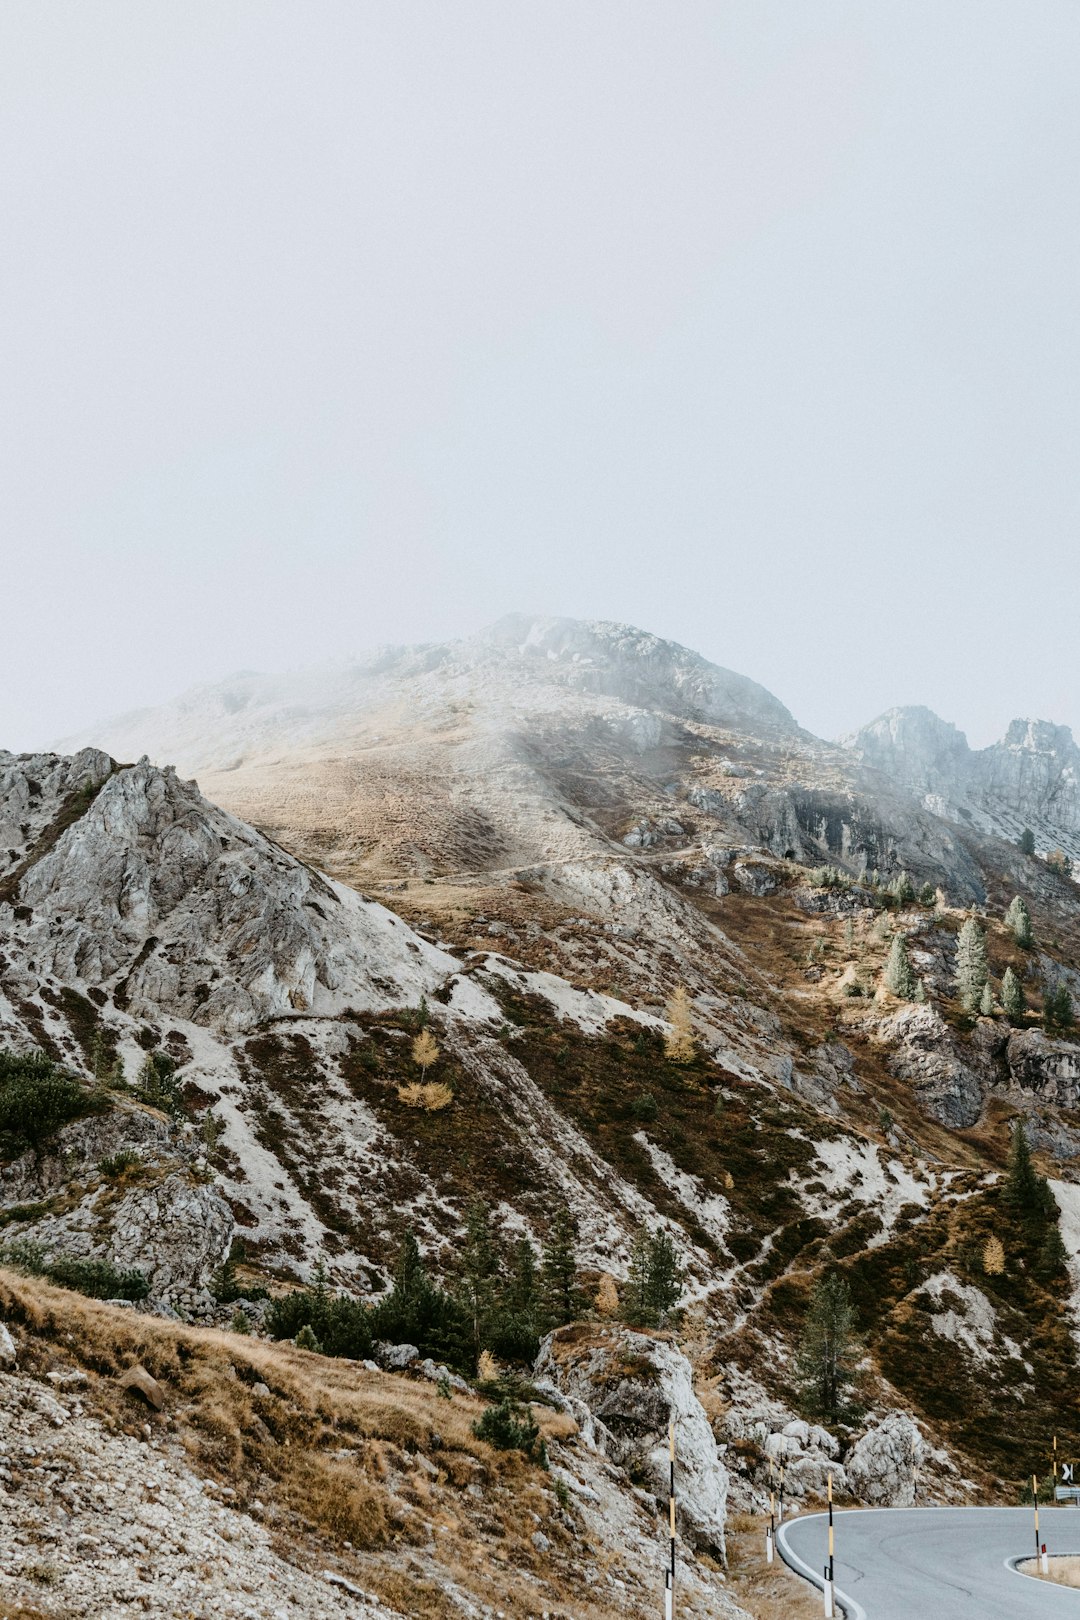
<point x="140" y="1382"/>
<point x="397" y="1356"/>
<point x="634" y="1385"/>
<point x="881" y="1467"/>
<point x="753" y="878"/>
<point x="948" y="1086"/>
<point x="8" y="1353"/>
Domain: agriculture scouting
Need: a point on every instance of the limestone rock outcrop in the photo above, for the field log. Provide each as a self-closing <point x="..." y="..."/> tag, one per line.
<point x="634" y="1384"/>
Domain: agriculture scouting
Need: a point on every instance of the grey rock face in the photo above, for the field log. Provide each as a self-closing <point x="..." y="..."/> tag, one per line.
<point x="170" y="902"/>
<point x="177" y="1233"/>
<point x="1030" y="778"/>
<point x="882" y="1466"/>
<point x="754" y="878"/>
<point x="1047" y="1068"/>
<point x="946" y="1081"/>
<point x="634" y="1385"/>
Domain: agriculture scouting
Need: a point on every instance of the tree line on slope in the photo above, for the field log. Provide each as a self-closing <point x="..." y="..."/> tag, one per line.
<point x="494" y="1304"/>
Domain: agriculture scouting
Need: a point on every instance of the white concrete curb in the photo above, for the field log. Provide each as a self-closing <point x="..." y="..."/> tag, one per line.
<point x="853" y="1610"/>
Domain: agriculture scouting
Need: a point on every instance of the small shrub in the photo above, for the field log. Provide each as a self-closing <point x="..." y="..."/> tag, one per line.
<point x="644" y="1106"/>
<point x="240" y="1323"/>
<point x="158" y="1086"/>
<point x="36" y="1098"/>
<point x="306" y="1340"/>
<point x="508" y="1427"/>
<point x="118" y="1163"/>
<point x="431" y="1095"/>
<point x="98" y="1279"/>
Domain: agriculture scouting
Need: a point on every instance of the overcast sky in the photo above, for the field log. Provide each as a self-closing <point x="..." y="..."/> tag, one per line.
<point x="751" y="322"/>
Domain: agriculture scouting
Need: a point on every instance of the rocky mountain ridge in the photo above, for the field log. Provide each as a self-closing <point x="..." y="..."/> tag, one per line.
<point x="1031" y="778"/>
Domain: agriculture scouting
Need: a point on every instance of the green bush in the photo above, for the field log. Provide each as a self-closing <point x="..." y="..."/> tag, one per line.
<point x="36" y="1097"/>
<point x="509" y="1427"/>
<point x="114" y="1166"/>
<point x="644" y="1106"/>
<point x="98" y="1279"/>
<point x="158" y="1085"/>
<point x="340" y="1325"/>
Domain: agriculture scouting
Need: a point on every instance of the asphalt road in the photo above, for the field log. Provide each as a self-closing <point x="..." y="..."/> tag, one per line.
<point x="938" y="1563"/>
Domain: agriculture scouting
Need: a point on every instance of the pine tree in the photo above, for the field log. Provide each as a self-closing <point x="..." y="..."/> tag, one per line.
<point x="903" y="890"/>
<point x="1026" y="842"/>
<point x="971" y="966"/>
<point x="1025" y="1190"/>
<point x="636" y="1295"/>
<point x="1057" y="1008"/>
<point x="920" y="991"/>
<point x="1012" y="995"/>
<point x="665" y="1277"/>
<point x="655" y="1285"/>
<point x="559" y="1271"/>
<point x="1018" y="921"/>
<point x="479" y="1271"/>
<point x="1053" y="1256"/>
<point x="828" y="1349"/>
<point x="927" y="895"/>
<point x="986" y="1001"/>
<point x="523" y="1293"/>
<point x="899" y="974"/>
<point x="679" y="1043"/>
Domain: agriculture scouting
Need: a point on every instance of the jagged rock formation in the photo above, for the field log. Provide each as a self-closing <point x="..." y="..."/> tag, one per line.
<point x="1031" y="778"/>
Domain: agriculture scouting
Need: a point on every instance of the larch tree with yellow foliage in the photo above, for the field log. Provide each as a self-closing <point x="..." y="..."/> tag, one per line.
<point x="679" y="1043"/>
<point x="425" y="1051"/>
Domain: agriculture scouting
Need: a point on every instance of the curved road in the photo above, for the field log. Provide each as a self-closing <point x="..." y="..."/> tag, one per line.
<point x="925" y="1563"/>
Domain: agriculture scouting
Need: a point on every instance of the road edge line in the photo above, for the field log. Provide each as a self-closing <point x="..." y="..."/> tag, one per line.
<point x="853" y="1610"/>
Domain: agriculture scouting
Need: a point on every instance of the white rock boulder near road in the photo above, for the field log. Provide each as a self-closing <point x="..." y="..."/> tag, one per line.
<point x="625" y="1388"/>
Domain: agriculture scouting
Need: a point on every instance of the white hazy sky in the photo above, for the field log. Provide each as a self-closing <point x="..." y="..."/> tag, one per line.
<point x="752" y="322"/>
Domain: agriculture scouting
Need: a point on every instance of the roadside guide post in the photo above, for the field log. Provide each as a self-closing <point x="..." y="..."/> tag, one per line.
<point x="669" y="1578"/>
<point x="829" y="1606"/>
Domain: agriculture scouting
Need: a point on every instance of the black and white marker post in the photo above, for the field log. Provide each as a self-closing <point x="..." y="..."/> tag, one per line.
<point x="770" y="1538"/>
<point x="669" y="1579"/>
<point x="830" y="1608"/>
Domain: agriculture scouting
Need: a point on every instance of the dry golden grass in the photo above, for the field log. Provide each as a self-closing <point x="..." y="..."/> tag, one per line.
<point x="430" y="1095"/>
<point x="372" y="1467"/>
<point x="1064" y="1571"/>
<point x="767" y="1592"/>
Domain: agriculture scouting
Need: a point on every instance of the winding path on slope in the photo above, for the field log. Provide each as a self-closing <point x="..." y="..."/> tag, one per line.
<point x="920" y="1563"/>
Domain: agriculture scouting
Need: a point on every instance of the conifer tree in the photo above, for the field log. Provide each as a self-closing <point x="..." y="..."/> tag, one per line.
<point x="927" y="895"/>
<point x="903" y="890"/>
<point x="1026" y="842"/>
<point x="971" y="966"/>
<point x="920" y="991"/>
<point x="1053" y="1257"/>
<point x="479" y="1271"/>
<point x="1057" y="1008"/>
<point x="899" y="974"/>
<point x="986" y="1001"/>
<point x="993" y="1258"/>
<point x="829" y="1348"/>
<point x="562" y="1298"/>
<point x="1025" y="1190"/>
<point x="679" y="1043"/>
<point x="1012" y="995"/>
<point x="425" y="1051"/>
<point x="665" y="1277"/>
<point x="1018" y="921"/>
